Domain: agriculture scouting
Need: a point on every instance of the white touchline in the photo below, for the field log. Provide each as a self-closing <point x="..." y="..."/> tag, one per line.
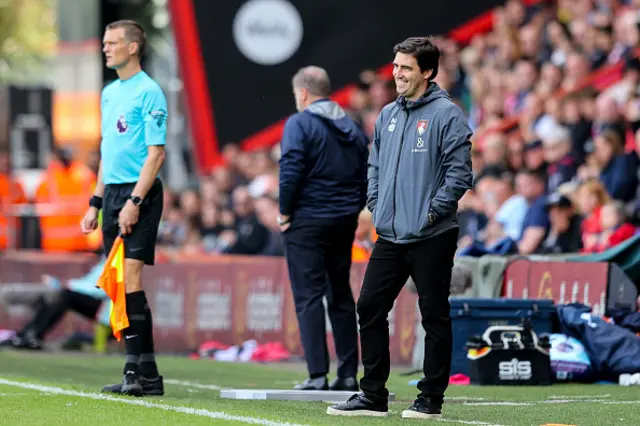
<point x="191" y="384"/>
<point x="549" y="401"/>
<point x="463" y="398"/>
<point x="496" y="403"/>
<point x="167" y="407"/>
<point x="606" y="395"/>
<point x="468" y="422"/>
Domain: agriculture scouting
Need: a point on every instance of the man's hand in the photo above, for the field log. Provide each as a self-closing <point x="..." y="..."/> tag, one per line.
<point x="284" y="218"/>
<point x="128" y="217"/>
<point x="89" y="222"/>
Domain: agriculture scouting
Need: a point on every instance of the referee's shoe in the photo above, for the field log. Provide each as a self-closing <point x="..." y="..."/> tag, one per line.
<point x="133" y="386"/>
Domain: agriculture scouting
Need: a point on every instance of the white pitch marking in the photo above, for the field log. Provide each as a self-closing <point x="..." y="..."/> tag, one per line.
<point x="463" y="398"/>
<point x="468" y="422"/>
<point x="191" y="384"/>
<point x="219" y="415"/>
<point x="496" y="403"/>
<point x="579" y="396"/>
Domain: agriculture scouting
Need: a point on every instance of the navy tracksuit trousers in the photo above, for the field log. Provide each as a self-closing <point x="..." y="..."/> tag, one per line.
<point x="318" y="255"/>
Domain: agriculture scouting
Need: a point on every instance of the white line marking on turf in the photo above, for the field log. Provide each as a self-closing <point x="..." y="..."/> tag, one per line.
<point x="463" y="398"/>
<point x="191" y="384"/>
<point x="175" y="408"/>
<point x="578" y="396"/>
<point x="468" y="422"/>
<point x="494" y="403"/>
<point x="549" y="401"/>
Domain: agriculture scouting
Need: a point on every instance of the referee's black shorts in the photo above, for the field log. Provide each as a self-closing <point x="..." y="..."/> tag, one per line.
<point x="141" y="243"/>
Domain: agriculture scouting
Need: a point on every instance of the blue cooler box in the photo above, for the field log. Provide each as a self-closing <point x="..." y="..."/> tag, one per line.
<point x="472" y="317"/>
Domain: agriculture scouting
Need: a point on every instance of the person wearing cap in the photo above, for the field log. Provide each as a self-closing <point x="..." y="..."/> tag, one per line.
<point x="564" y="232"/>
<point x="534" y="156"/>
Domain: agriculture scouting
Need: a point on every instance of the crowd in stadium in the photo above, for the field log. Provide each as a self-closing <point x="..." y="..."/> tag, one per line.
<point x="563" y="178"/>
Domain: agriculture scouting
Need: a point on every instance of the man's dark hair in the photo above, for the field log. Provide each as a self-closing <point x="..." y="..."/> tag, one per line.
<point x="540" y="175"/>
<point x="314" y="79"/>
<point x="133" y="32"/>
<point x="425" y="51"/>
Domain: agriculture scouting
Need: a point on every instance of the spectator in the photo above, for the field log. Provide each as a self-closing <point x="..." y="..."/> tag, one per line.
<point x="251" y="237"/>
<point x="212" y="229"/>
<point x="471" y="218"/>
<point x="531" y="185"/>
<point x="513" y="210"/>
<point x="534" y="157"/>
<point x="592" y="195"/>
<point x="617" y="169"/>
<point x="171" y="231"/>
<point x="608" y="116"/>
<point x="615" y="228"/>
<point x="515" y="155"/>
<point x="579" y="127"/>
<point x="495" y="150"/>
<point x="564" y="231"/>
<point x="267" y="210"/>
<point x="557" y="153"/>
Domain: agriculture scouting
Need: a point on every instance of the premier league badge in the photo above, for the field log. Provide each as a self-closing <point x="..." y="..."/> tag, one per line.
<point x="122" y="125"/>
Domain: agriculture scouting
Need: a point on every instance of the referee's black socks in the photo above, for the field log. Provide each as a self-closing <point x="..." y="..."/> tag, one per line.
<point x="134" y="334"/>
<point x="148" y="367"/>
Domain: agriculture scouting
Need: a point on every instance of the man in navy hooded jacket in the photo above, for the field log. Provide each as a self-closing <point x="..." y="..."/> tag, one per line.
<point x="323" y="186"/>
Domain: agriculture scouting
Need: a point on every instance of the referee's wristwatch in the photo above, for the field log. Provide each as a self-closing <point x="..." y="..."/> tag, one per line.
<point x="431" y="218"/>
<point x="136" y="200"/>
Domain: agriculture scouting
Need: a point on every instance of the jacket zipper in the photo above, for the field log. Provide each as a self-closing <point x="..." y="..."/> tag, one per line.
<point x="395" y="176"/>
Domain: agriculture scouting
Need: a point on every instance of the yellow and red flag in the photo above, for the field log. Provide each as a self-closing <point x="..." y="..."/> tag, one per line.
<point x="112" y="282"/>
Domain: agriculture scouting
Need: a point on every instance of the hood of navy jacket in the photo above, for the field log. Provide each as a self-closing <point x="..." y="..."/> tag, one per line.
<point x="343" y="128"/>
<point x="420" y="163"/>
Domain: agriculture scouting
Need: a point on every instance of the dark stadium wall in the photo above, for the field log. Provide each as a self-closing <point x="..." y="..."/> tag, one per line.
<point x="249" y="50"/>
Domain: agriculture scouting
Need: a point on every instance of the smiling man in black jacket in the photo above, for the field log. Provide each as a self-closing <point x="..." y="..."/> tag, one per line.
<point x="419" y="168"/>
<point x="323" y="184"/>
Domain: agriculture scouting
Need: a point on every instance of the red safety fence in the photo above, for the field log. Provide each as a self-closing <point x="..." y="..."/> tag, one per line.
<point x="234" y="299"/>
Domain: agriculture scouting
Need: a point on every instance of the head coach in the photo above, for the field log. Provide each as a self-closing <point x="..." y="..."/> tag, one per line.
<point x="323" y="188"/>
<point x="419" y="167"/>
<point x="129" y="192"/>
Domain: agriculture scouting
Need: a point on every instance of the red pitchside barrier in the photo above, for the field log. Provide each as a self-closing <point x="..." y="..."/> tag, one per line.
<point x="233" y="299"/>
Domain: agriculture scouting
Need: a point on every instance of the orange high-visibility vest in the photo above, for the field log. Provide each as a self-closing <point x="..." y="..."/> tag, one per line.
<point x="62" y="201"/>
<point x="11" y="195"/>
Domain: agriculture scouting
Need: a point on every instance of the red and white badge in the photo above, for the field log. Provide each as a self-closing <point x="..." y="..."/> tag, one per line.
<point x="422" y="126"/>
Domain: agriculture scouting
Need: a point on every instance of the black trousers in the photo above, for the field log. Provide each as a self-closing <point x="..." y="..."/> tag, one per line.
<point x="49" y="314"/>
<point x="429" y="263"/>
<point x="318" y="255"/>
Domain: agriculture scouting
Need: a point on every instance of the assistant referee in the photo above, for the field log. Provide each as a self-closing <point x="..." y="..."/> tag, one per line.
<point x="129" y="192"/>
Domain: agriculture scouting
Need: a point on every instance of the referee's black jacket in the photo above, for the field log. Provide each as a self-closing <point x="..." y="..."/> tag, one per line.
<point x="420" y="163"/>
<point x="323" y="164"/>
